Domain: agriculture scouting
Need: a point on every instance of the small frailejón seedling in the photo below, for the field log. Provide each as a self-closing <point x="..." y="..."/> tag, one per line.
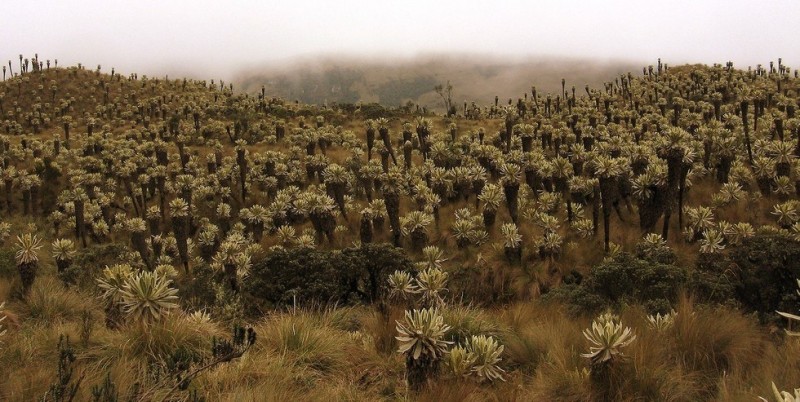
<point x="491" y="195"/>
<point x="144" y="297"/>
<point x="607" y="337"/>
<point x="63" y="252"/>
<point x="421" y="339"/>
<point x="112" y="282"/>
<point x="661" y="322"/>
<point x="432" y="284"/>
<point x="148" y="296"/>
<point x="478" y="357"/>
<point x="512" y="242"/>
<point x="401" y="285"/>
<point x="486" y="353"/>
<point x="27" y="259"/>
<point x="460" y="361"/>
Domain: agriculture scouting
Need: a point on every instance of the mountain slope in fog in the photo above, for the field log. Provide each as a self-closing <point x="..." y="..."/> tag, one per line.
<point x="474" y="78"/>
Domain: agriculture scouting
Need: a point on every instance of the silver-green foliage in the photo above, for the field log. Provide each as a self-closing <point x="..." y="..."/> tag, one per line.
<point x="607" y="337"/>
<point x="421" y="334"/>
<point x="148" y="296"/>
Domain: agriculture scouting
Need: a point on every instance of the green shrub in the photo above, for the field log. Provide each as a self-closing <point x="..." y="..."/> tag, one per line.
<point x="767" y="267"/>
<point x="307" y="275"/>
<point x="8" y="265"/>
<point x="368" y="267"/>
<point x="285" y="276"/>
<point x="625" y="280"/>
<point x="306" y="111"/>
<point x="214" y="130"/>
<point x="580" y="299"/>
<point x="280" y="112"/>
<point x="197" y="289"/>
<point x="88" y="263"/>
<point x="373" y="111"/>
<point x="713" y="281"/>
<point x="345" y="107"/>
<point x="655" y="253"/>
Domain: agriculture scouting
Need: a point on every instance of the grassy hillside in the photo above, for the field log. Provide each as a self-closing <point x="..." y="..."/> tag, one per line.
<point x="179" y="240"/>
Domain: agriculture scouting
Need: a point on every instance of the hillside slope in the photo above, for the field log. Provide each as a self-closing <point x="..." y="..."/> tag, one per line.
<point x="143" y="219"/>
<point x="394" y="82"/>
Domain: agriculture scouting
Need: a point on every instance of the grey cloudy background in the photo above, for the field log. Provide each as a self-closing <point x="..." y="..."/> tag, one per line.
<point x="219" y="38"/>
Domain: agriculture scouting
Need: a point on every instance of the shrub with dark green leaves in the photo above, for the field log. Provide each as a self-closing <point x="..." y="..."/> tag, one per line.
<point x="197" y="289"/>
<point x="373" y="111"/>
<point x="90" y="261"/>
<point x="714" y="281"/>
<point x="306" y="276"/>
<point x="8" y="266"/>
<point x="657" y="253"/>
<point x="280" y="112"/>
<point x="766" y="269"/>
<point x="625" y="280"/>
<point x="367" y="268"/>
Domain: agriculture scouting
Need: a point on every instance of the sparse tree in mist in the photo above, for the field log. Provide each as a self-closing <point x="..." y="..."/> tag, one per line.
<point x="446" y="93"/>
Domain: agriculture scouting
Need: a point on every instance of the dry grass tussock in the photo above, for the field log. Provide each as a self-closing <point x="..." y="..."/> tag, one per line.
<point x="338" y="354"/>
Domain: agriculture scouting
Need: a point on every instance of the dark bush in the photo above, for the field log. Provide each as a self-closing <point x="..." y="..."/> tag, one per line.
<point x="214" y="130"/>
<point x="344" y="107"/>
<point x="306" y="111"/>
<point x="374" y="111"/>
<point x="8" y="264"/>
<point x="714" y="280"/>
<point x="306" y="276"/>
<point x="767" y="268"/>
<point x="579" y="299"/>
<point x="624" y="280"/>
<point x="482" y="284"/>
<point x="286" y="275"/>
<point x="656" y="254"/>
<point x="367" y="267"/>
<point x="280" y="112"/>
<point x="90" y="261"/>
<point x="197" y="290"/>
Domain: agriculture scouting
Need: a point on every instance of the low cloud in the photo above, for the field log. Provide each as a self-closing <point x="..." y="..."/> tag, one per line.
<point x="392" y="81"/>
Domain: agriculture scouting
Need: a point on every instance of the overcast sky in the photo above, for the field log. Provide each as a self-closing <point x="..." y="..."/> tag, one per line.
<point x="217" y="38"/>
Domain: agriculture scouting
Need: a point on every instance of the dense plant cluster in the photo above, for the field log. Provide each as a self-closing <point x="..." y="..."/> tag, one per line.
<point x="626" y="279"/>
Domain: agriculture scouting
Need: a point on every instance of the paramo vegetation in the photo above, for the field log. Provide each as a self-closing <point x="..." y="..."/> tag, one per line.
<point x="171" y="239"/>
